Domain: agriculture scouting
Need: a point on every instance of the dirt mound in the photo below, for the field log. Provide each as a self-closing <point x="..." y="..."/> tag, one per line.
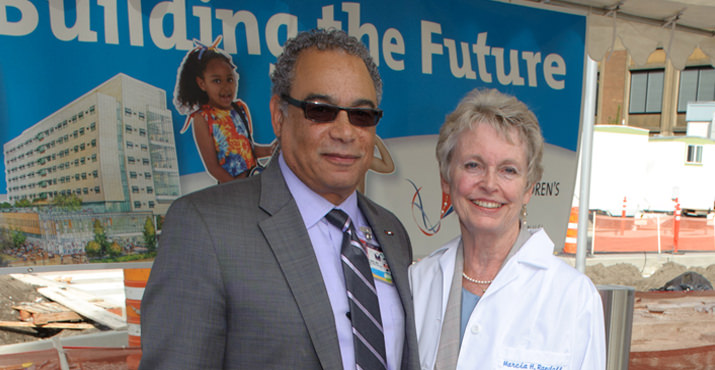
<point x="630" y="275"/>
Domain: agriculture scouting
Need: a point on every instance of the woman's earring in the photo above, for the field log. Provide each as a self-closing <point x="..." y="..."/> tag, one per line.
<point x="523" y="214"/>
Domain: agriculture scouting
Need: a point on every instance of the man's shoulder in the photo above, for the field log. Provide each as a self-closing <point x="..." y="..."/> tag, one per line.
<point x="369" y="205"/>
<point x="223" y="194"/>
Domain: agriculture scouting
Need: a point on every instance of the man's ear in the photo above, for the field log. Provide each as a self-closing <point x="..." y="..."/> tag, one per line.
<point x="276" y="115"/>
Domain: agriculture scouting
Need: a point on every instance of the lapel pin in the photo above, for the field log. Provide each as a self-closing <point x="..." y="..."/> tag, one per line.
<point x="367" y="232"/>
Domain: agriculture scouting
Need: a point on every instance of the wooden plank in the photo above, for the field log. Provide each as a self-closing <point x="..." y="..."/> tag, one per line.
<point x="68" y="325"/>
<point x="46" y="312"/>
<point x="83" y="307"/>
<point x="44" y="318"/>
<point x="42" y="307"/>
<point x="78" y="293"/>
<point x="662" y="307"/>
<point x="57" y="325"/>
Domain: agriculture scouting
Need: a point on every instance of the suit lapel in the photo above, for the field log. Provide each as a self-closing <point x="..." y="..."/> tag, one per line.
<point x="289" y="240"/>
<point x="395" y="244"/>
<point x="388" y="234"/>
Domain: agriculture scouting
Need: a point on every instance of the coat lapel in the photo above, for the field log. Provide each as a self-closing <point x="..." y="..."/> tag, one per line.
<point x="398" y="252"/>
<point x="398" y="256"/>
<point x="289" y="240"/>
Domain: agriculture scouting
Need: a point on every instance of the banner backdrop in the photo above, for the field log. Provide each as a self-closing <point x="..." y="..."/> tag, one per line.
<point x="86" y="91"/>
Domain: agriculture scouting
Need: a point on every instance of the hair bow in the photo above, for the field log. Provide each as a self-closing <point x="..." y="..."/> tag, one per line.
<point x="202" y="48"/>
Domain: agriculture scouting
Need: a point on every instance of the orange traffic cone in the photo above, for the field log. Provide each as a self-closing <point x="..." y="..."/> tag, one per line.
<point x="571" y="232"/>
<point x="134" y="283"/>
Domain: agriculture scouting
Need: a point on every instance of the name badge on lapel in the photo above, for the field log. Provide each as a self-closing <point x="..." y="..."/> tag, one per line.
<point x="378" y="262"/>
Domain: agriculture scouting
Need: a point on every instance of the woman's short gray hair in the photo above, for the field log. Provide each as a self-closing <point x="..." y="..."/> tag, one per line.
<point x="501" y="111"/>
<point x="284" y="72"/>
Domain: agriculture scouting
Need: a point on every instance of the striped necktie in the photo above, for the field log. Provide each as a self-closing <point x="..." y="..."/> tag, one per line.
<point x="368" y="336"/>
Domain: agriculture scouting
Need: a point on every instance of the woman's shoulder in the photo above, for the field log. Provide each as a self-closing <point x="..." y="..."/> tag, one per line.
<point x="539" y="250"/>
<point x="444" y="251"/>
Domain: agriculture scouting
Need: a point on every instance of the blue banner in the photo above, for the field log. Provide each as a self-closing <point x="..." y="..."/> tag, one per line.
<point x="430" y="53"/>
<point x="87" y="106"/>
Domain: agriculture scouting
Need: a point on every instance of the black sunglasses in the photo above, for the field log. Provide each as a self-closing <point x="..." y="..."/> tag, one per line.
<point x="322" y="112"/>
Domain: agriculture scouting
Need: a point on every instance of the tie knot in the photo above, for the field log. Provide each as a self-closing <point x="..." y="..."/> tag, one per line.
<point x="339" y="219"/>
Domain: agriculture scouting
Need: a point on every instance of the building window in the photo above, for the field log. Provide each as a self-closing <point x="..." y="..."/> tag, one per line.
<point x="96" y="189"/>
<point x="646" y="91"/>
<point x="132" y="175"/>
<point x="695" y="154"/>
<point x="696" y="84"/>
<point x="151" y="204"/>
<point x="137" y="204"/>
<point x="135" y="189"/>
<point x="149" y="190"/>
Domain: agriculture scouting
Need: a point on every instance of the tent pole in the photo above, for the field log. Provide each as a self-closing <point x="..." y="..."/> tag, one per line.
<point x="587" y="120"/>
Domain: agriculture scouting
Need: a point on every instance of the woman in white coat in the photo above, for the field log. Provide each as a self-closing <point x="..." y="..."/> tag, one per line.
<point x="496" y="297"/>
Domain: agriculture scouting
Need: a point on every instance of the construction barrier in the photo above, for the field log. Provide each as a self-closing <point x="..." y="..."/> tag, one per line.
<point x="45" y="359"/>
<point x="650" y="232"/>
<point x="128" y="358"/>
<point x="572" y="232"/>
<point x="102" y="358"/>
<point x="134" y="284"/>
<point x="689" y="358"/>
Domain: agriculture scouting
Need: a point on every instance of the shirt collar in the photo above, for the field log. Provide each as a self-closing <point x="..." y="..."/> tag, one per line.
<point x="311" y="205"/>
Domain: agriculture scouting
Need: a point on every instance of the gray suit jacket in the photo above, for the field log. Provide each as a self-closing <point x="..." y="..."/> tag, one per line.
<point x="236" y="284"/>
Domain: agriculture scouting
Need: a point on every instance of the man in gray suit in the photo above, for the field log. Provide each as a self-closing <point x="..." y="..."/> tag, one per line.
<point x="248" y="273"/>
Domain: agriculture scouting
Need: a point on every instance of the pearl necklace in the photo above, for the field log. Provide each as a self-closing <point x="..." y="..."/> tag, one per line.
<point x="475" y="281"/>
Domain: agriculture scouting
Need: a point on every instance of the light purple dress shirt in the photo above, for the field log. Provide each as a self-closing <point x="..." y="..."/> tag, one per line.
<point x="326" y="240"/>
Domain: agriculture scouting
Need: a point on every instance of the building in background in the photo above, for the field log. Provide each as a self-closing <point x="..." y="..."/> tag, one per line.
<point x="113" y="147"/>
<point x="654" y="96"/>
<point x="662" y="145"/>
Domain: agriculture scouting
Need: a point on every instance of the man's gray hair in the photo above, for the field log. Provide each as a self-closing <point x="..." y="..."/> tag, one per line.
<point x="284" y="72"/>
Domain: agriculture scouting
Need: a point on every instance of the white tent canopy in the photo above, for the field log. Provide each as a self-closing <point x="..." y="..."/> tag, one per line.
<point x="642" y="26"/>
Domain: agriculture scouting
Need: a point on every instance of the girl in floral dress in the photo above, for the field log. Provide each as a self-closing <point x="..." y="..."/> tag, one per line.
<point x="206" y="92"/>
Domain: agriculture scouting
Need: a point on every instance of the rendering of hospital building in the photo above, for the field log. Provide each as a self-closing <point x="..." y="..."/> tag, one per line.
<point x="113" y="147"/>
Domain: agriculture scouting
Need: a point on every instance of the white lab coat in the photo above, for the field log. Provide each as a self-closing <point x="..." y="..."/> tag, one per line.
<point x="539" y="313"/>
